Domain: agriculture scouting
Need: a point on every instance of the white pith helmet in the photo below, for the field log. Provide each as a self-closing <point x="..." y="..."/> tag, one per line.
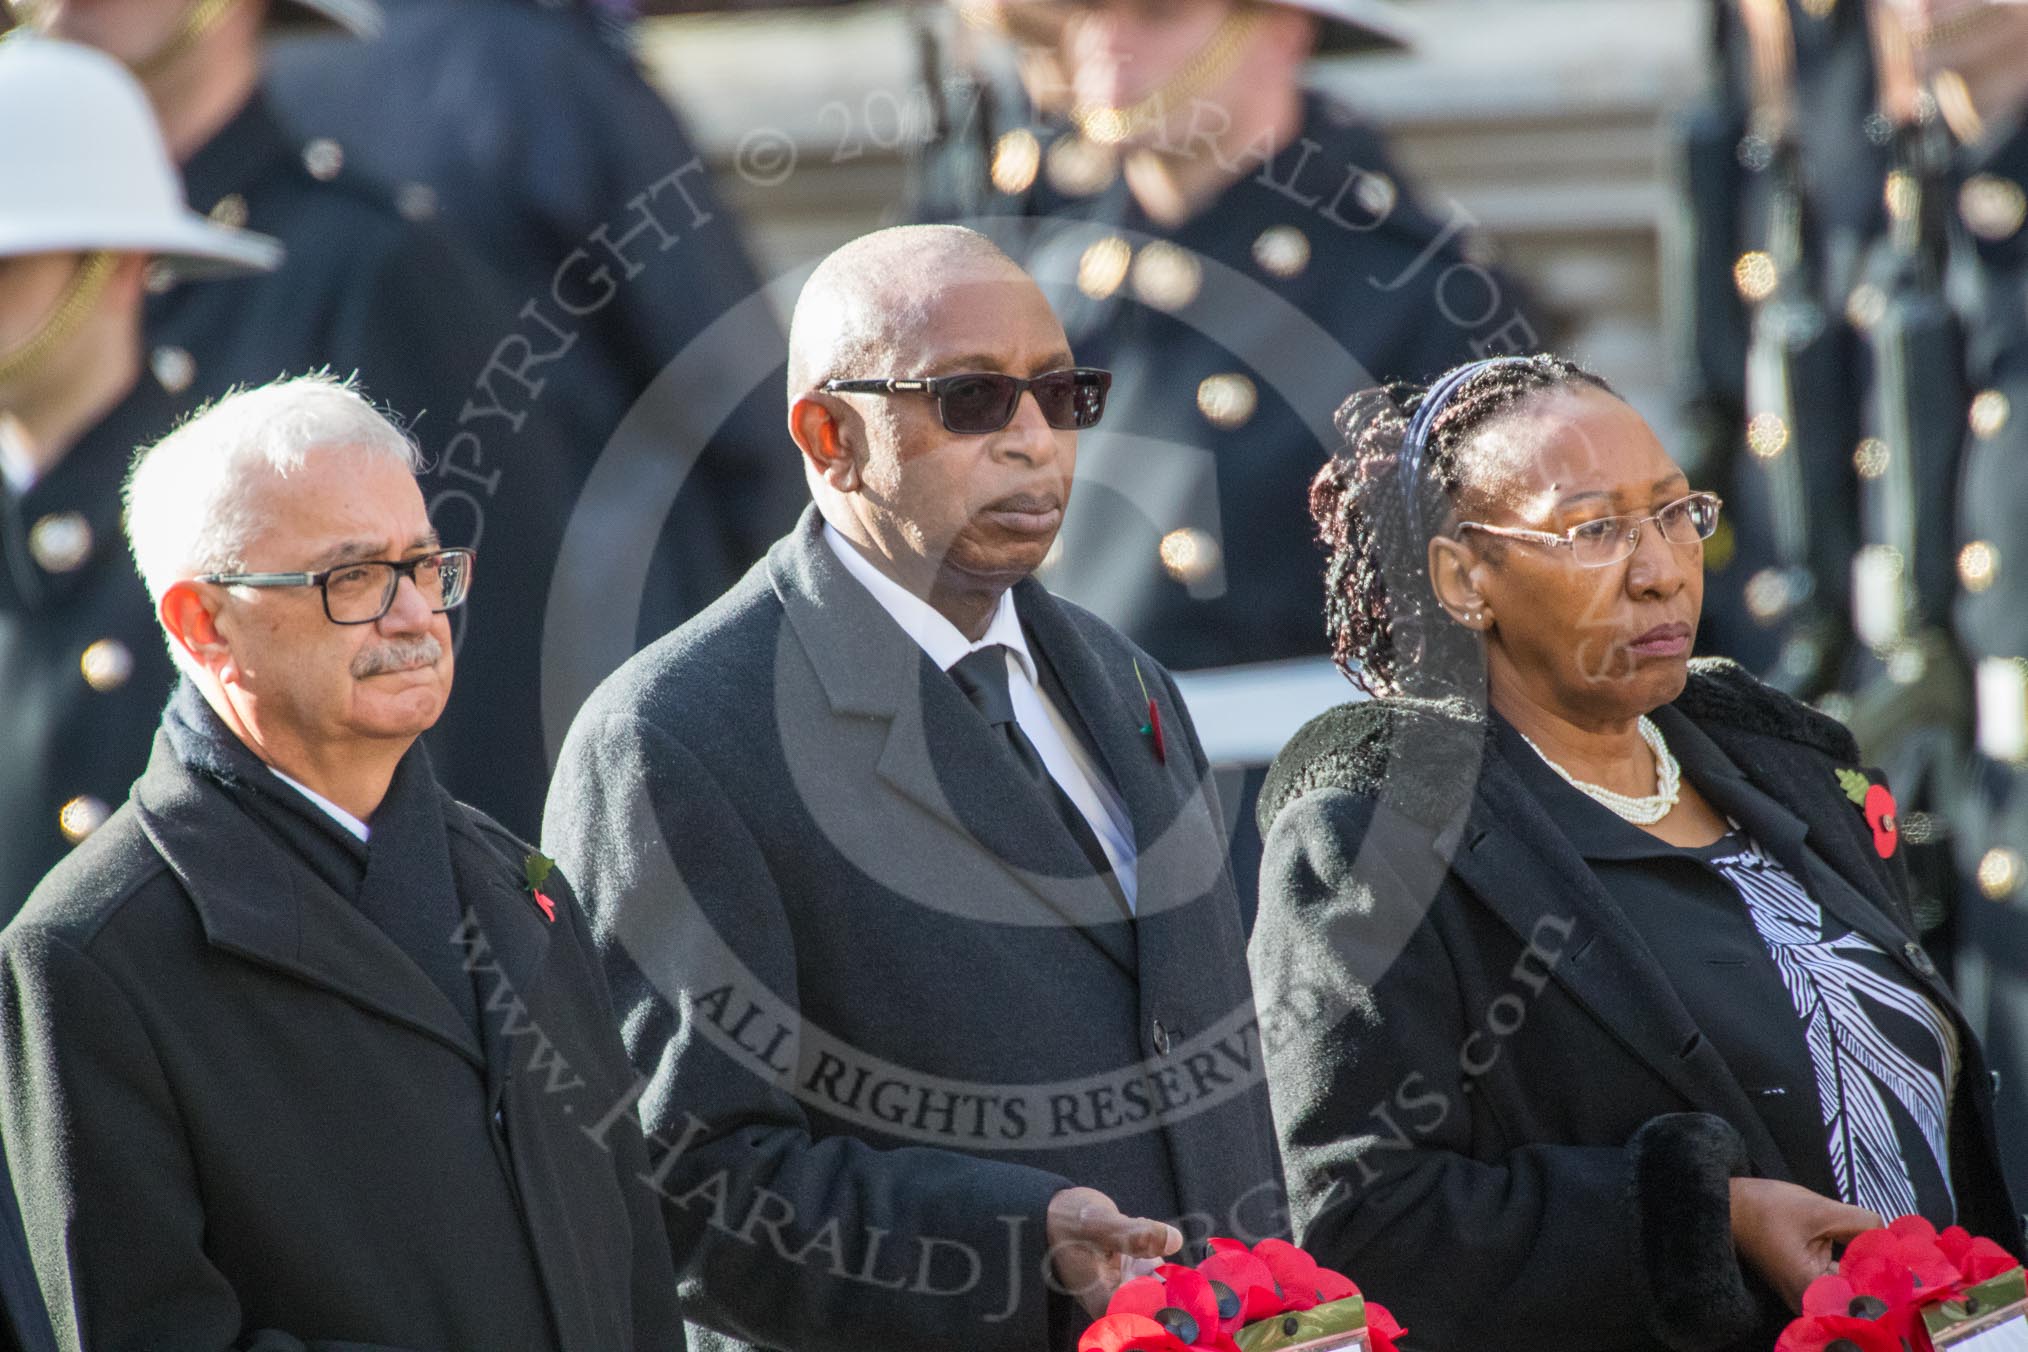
<point x="94" y="173"/>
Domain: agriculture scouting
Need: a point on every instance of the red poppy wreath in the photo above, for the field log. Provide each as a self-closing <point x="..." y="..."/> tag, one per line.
<point x="1270" y="1298"/>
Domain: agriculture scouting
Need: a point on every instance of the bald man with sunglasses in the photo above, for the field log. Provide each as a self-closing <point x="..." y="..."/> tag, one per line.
<point x="909" y="877"/>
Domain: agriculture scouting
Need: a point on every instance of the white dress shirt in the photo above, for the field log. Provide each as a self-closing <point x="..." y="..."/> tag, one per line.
<point x="1063" y="755"/>
<point x="331" y="809"/>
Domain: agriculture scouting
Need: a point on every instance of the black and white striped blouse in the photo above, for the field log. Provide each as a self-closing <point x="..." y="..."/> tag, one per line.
<point x="1886" y="1057"/>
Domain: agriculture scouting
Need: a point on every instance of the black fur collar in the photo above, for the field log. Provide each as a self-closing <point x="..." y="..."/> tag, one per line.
<point x="1424" y="750"/>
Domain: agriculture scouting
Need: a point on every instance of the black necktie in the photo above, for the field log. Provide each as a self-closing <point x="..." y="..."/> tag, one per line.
<point x="982" y="675"/>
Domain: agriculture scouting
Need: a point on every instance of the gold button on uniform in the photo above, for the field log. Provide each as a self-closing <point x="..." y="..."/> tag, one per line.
<point x="1999" y="873"/>
<point x="1767" y="595"/>
<point x="61" y="542"/>
<point x="1865" y="306"/>
<point x="1282" y="250"/>
<point x="323" y="157"/>
<point x="81" y="816"/>
<point x="1376" y="193"/>
<point x="174" y="368"/>
<point x="1901" y="195"/>
<point x="1167" y="276"/>
<point x="1755" y="275"/>
<point x="1870" y="460"/>
<point x="1189" y="554"/>
<point x="158" y="278"/>
<point x="1103" y="266"/>
<point x="1767" y="436"/>
<point x="1990" y="411"/>
<point x="1978" y="565"/>
<point x="1227" y="400"/>
<point x="1016" y="157"/>
<point x="229" y="211"/>
<point x="1993" y="208"/>
<point x="106" y="664"/>
<point x="1077" y="167"/>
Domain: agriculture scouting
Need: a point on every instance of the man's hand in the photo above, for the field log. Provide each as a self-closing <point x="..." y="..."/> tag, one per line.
<point x="1090" y="1243"/>
<point x="1787" y="1232"/>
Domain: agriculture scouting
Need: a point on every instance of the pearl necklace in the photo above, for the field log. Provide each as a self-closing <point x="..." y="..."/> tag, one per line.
<point x="1640" y="811"/>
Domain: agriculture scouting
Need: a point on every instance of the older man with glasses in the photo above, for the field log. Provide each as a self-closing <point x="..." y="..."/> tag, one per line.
<point x="300" y="1052"/>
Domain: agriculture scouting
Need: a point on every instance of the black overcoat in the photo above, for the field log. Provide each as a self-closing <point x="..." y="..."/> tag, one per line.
<point x="238" y="1115"/>
<point x="887" y="1010"/>
<point x="1495" y="1111"/>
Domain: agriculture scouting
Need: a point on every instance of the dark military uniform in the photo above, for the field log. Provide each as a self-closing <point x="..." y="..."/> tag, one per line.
<point x="1992" y="620"/>
<point x="82" y="660"/>
<point x="1231" y="339"/>
<point x="364" y="289"/>
<point x="1780" y="225"/>
<point x="83" y="677"/>
<point x="524" y="130"/>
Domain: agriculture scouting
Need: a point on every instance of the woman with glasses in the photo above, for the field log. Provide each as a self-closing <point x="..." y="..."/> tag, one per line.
<point x="1594" y="1010"/>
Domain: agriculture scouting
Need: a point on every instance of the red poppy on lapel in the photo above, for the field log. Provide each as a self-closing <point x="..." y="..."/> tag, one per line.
<point x="1152" y="729"/>
<point x="535" y="871"/>
<point x="1878" y="805"/>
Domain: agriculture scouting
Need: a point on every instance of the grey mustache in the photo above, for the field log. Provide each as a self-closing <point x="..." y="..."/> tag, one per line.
<point x="399" y="655"/>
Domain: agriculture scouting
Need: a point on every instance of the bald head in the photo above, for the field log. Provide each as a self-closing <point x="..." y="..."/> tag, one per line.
<point x="866" y="305"/>
<point x="955" y="516"/>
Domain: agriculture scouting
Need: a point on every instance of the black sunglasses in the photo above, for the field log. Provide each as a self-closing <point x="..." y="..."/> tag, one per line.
<point x="977" y="402"/>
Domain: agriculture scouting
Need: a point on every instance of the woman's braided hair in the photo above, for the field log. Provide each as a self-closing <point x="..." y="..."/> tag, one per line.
<point x="1388" y="632"/>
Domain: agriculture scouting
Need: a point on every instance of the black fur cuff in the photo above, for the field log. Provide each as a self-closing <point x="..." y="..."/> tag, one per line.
<point x="1683" y="1165"/>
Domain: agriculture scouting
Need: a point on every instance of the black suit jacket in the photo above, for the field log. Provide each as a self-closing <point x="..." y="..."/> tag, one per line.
<point x="1480" y="1069"/>
<point x="238" y="1114"/>
<point x="887" y="1010"/>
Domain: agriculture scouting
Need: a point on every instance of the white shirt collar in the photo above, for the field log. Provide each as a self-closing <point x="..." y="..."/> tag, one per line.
<point x="921" y="621"/>
<point x="331" y="809"/>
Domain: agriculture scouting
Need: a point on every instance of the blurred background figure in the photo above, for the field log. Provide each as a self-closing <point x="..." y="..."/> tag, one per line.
<point x="1857" y="318"/>
<point x="1781" y="169"/>
<point x="364" y="289"/>
<point x="529" y="132"/>
<point x="996" y="75"/>
<point x="1971" y="59"/>
<point x="1231" y="245"/>
<point x="94" y="203"/>
<point x="1185" y="208"/>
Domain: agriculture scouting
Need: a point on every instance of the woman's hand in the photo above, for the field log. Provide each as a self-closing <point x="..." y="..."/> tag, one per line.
<point x="1787" y="1232"/>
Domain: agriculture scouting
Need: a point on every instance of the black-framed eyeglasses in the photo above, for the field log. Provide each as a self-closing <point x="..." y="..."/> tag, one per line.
<point x="973" y="403"/>
<point x="362" y="592"/>
<point x="1606" y="541"/>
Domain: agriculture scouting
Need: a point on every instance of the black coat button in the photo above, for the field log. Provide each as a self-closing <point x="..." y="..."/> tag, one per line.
<point x="1161" y="1036"/>
<point x="1918" y="959"/>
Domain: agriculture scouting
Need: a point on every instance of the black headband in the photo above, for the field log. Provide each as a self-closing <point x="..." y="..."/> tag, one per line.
<point x="1415" y="443"/>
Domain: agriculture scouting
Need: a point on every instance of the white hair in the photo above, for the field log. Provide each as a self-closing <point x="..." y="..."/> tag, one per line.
<point x="191" y="497"/>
